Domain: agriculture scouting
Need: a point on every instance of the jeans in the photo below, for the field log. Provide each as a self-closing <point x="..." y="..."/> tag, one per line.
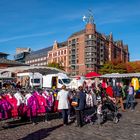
<point x="65" y="116"/>
<point x="79" y="117"/>
<point x="130" y="99"/>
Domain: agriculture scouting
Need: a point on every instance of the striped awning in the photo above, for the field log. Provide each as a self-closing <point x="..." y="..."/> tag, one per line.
<point x="118" y="75"/>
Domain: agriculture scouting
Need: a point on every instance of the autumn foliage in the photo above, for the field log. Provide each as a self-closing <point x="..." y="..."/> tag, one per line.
<point x="119" y="67"/>
<point x="56" y="65"/>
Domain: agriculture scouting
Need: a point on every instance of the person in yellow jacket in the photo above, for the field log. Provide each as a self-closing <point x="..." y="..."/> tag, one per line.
<point x="135" y="83"/>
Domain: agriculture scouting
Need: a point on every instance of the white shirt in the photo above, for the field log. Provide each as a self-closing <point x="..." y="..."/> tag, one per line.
<point x="63" y="102"/>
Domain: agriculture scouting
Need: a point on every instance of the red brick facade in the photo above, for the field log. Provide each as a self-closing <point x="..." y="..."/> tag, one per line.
<point x="83" y="52"/>
<point x="89" y="49"/>
<point x="59" y="54"/>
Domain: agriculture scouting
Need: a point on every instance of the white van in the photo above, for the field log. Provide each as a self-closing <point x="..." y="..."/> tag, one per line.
<point x="56" y="80"/>
<point x="34" y="79"/>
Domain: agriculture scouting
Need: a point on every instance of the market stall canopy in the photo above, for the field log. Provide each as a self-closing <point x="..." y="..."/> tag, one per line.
<point x="118" y="75"/>
<point x="92" y="75"/>
<point x="40" y="69"/>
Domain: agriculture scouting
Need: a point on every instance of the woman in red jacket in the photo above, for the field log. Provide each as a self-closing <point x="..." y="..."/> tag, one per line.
<point x="109" y="91"/>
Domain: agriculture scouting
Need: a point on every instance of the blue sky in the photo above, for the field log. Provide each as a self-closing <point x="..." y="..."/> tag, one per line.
<point x="38" y="23"/>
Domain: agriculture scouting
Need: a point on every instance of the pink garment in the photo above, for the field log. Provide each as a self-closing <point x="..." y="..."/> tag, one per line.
<point x="21" y="109"/>
<point x="49" y="100"/>
<point x="32" y="106"/>
<point x="5" y="109"/>
<point x="41" y="102"/>
<point x="13" y="102"/>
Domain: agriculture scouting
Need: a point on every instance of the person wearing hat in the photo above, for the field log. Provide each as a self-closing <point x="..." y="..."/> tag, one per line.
<point x="63" y="103"/>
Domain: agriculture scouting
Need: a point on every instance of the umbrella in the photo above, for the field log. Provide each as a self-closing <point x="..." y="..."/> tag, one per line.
<point x="92" y="75"/>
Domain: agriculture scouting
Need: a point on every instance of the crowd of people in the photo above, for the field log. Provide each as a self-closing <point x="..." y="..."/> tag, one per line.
<point x="32" y="104"/>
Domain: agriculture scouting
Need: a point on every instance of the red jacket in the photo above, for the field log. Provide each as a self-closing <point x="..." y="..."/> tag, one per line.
<point x="109" y="91"/>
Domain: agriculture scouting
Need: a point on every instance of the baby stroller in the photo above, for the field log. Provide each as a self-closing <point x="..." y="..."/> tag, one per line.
<point x="109" y="110"/>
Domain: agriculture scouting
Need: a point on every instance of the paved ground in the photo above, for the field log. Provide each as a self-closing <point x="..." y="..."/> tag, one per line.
<point x="127" y="129"/>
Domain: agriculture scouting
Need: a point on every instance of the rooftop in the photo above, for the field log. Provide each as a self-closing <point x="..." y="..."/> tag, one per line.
<point x="39" y="53"/>
<point x="77" y="33"/>
<point x="11" y="62"/>
<point x="1" y="53"/>
<point x="62" y="44"/>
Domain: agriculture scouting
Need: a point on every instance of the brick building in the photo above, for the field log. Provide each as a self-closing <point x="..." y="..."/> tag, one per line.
<point x="83" y="52"/>
<point x="89" y="49"/>
<point x="59" y="54"/>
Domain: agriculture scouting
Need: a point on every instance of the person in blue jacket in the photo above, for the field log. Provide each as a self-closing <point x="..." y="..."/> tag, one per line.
<point x="81" y="98"/>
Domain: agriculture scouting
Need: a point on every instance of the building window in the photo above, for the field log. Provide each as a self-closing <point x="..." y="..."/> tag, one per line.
<point x="64" y="51"/>
<point x="77" y="61"/>
<point x="61" y="52"/>
<point x="64" y="58"/>
<point x="89" y="36"/>
<point x="73" y="67"/>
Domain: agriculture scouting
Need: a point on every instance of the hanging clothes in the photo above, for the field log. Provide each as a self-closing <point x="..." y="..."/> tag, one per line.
<point x="32" y="105"/>
<point x="19" y="97"/>
<point x="41" y="102"/>
<point x="49" y="100"/>
<point x="5" y="108"/>
<point x="13" y="101"/>
<point x="20" y="103"/>
<point x="135" y="83"/>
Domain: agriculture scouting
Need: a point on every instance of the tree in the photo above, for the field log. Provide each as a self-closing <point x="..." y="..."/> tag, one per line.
<point x="113" y="67"/>
<point x="56" y="65"/>
<point x="119" y="67"/>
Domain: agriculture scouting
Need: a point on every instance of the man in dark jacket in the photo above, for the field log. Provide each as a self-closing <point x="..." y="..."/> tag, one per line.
<point x="81" y="96"/>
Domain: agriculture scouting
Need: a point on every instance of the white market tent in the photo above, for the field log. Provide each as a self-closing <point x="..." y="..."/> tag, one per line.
<point x="40" y="69"/>
<point x="118" y="75"/>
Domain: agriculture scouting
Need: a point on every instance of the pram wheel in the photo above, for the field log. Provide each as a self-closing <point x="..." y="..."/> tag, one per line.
<point x="115" y="120"/>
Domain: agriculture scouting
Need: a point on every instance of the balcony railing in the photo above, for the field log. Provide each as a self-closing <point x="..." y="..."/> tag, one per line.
<point x="90" y="50"/>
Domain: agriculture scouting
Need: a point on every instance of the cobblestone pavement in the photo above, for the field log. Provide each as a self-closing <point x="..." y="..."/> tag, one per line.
<point x="127" y="129"/>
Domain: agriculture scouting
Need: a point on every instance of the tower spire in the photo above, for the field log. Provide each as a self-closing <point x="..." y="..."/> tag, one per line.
<point x="88" y="18"/>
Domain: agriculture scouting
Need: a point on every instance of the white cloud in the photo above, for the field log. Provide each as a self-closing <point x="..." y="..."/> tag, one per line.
<point x="23" y="36"/>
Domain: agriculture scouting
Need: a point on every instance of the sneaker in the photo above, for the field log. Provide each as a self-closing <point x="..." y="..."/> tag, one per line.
<point x="65" y="124"/>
